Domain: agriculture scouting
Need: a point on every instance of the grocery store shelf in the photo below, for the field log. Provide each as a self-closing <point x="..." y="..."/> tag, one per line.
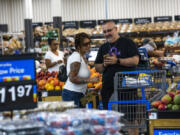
<point x="135" y="34"/>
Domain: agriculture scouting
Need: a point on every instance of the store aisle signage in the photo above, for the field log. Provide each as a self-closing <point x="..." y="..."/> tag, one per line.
<point x="117" y="21"/>
<point x="162" y="18"/>
<point x="177" y="17"/>
<point x="17" y="82"/>
<point x="3" y="28"/>
<point x="124" y="21"/>
<point x="100" y="22"/>
<point x="167" y="132"/>
<point x="142" y="20"/>
<point x="71" y="24"/>
<point x="48" y="23"/>
<point x="88" y="24"/>
<point x="37" y="24"/>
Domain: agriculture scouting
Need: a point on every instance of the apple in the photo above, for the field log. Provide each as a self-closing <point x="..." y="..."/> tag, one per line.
<point x="166" y="99"/>
<point x="162" y="107"/>
<point x="171" y="94"/>
<point x="156" y="103"/>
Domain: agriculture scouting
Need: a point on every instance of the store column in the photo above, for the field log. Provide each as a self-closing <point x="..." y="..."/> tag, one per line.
<point x="28" y="25"/>
<point x="56" y="13"/>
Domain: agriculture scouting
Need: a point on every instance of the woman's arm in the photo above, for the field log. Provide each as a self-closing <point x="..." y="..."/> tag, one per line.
<point x="74" y="69"/>
<point x="50" y="64"/>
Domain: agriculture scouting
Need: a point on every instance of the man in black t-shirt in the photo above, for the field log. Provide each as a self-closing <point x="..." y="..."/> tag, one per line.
<point x="117" y="54"/>
<point x="122" y="56"/>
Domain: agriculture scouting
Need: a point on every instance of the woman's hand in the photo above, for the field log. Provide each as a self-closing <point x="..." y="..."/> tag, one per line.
<point x="59" y="61"/>
<point x="94" y="79"/>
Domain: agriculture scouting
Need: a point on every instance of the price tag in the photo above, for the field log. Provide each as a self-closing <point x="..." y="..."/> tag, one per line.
<point x="44" y="94"/>
<point x="17" y="96"/>
<point x="17" y="82"/>
<point x="153" y="115"/>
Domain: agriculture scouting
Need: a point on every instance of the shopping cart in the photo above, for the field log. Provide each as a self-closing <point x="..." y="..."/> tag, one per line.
<point x="133" y="93"/>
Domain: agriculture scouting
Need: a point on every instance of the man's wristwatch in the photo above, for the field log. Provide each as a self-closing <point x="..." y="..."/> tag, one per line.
<point x="118" y="61"/>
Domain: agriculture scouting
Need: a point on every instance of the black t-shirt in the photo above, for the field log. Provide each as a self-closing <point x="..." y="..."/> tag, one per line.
<point x="123" y="48"/>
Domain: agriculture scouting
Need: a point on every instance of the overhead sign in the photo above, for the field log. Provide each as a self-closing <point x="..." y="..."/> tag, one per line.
<point x="124" y="21"/>
<point x="142" y="20"/>
<point x="177" y="17"/>
<point x="3" y="28"/>
<point x="88" y="24"/>
<point x="71" y="24"/>
<point x="17" y="82"/>
<point x="100" y="22"/>
<point x="37" y="24"/>
<point x="48" y="23"/>
<point x="162" y="18"/>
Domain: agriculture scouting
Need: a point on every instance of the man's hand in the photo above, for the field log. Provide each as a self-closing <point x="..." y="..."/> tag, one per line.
<point x="110" y="60"/>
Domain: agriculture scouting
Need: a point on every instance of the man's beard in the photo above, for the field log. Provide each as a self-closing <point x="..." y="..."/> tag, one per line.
<point x="109" y="37"/>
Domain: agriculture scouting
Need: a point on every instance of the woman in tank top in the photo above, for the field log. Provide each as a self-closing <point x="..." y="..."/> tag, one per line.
<point x="78" y="71"/>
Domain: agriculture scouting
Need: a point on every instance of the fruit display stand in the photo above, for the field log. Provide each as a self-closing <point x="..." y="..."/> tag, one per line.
<point x="48" y="86"/>
<point x="164" y="117"/>
<point x="164" y="122"/>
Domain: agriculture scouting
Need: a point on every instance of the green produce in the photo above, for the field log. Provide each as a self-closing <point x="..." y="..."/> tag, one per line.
<point x="177" y="99"/>
<point x="175" y="107"/>
<point x="169" y="106"/>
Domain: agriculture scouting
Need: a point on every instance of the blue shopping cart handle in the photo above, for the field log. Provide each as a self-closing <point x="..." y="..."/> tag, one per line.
<point x="142" y="71"/>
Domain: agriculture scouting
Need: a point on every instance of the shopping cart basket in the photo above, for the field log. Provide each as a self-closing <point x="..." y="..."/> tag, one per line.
<point x="133" y="93"/>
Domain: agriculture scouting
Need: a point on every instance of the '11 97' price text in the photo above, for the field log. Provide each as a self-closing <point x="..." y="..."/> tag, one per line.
<point x="14" y="92"/>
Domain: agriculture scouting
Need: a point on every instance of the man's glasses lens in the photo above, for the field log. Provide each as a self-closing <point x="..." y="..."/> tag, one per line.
<point x="108" y="30"/>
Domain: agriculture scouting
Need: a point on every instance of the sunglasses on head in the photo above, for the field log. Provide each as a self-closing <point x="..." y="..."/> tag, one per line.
<point x="108" y="30"/>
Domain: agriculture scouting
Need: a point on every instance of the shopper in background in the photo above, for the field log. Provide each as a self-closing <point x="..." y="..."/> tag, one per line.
<point x="78" y="71"/>
<point x="54" y="57"/>
<point x="117" y="54"/>
<point x="151" y="47"/>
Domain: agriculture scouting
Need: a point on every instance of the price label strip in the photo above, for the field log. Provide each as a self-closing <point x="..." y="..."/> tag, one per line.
<point x="18" y="96"/>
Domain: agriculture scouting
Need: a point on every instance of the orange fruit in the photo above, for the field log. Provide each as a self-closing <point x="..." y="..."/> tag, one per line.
<point x="90" y="85"/>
